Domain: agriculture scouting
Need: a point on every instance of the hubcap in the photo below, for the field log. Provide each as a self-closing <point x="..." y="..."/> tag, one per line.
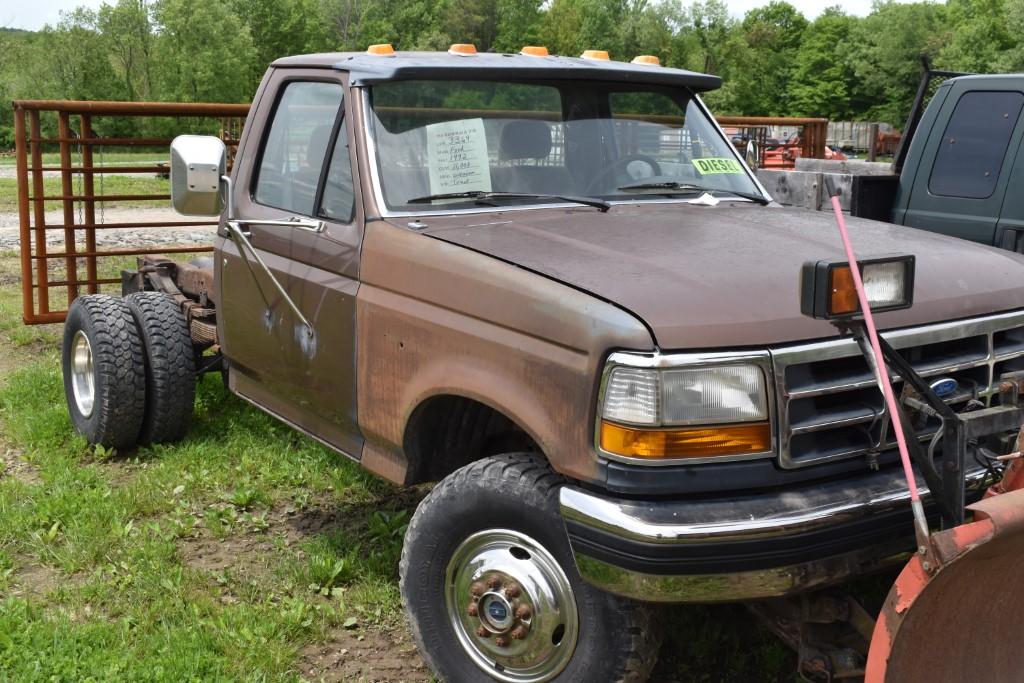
<point x="511" y="606"/>
<point x="83" y="375"/>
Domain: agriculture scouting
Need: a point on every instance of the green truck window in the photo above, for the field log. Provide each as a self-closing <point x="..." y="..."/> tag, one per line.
<point x="296" y="145"/>
<point x="971" y="152"/>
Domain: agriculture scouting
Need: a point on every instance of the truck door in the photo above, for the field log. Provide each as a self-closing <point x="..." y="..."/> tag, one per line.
<point x="965" y="166"/>
<point x="1010" y="229"/>
<point x="293" y="192"/>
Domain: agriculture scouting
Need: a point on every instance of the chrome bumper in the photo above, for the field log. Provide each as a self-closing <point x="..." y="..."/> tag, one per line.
<point x="746" y="547"/>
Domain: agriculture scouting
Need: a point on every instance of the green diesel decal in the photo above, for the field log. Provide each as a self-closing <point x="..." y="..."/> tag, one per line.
<point x="711" y="166"/>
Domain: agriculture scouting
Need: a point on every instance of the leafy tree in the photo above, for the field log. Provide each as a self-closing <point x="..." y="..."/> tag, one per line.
<point x="981" y="36"/>
<point x="886" y="50"/>
<point x="203" y="49"/>
<point x="773" y="34"/>
<point x="823" y="78"/>
<point x="407" y="24"/>
<point x="127" y="28"/>
<point x="279" y="28"/>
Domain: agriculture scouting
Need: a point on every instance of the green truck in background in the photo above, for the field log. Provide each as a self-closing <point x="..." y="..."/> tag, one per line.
<point x="954" y="173"/>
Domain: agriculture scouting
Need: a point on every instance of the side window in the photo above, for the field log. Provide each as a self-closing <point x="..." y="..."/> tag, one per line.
<point x="295" y="147"/>
<point x="971" y="153"/>
<point x="339" y="196"/>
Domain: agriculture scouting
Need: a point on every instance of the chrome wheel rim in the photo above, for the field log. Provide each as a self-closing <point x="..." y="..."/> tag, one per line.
<point x="511" y="606"/>
<point x="83" y="374"/>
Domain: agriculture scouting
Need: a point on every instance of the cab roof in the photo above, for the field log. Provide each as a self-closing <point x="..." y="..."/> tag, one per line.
<point x="367" y="69"/>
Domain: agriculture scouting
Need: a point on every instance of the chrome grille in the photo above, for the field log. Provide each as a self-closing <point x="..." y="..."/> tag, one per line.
<point x="830" y="407"/>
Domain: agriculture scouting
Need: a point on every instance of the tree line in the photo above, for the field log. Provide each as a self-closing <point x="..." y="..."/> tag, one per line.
<point x="774" y="61"/>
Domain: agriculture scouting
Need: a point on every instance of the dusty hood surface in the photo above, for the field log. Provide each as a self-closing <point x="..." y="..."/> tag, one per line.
<point x="729" y="276"/>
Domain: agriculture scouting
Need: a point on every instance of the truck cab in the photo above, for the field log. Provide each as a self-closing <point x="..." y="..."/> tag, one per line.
<point x="964" y="161"/>
<point x="551" y="286"/>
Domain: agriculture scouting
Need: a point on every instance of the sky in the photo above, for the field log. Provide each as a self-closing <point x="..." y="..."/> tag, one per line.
<point x="33" y="14"/>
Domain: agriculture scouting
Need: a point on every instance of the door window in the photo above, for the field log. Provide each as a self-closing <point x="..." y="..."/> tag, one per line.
<point x="296" y="145"/>
<point x="971" y="152"/>
<point x="339" y="195"/>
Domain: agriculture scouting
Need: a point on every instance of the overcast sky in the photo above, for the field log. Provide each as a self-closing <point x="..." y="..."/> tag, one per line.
<point x="32" y="14"/>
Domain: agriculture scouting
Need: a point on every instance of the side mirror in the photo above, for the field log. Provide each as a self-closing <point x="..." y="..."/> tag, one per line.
<point x="197" y="164"/>
<point x="751" y="154"/>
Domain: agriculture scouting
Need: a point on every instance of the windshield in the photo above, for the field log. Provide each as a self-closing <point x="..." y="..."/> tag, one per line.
<point x="549" y="141"/>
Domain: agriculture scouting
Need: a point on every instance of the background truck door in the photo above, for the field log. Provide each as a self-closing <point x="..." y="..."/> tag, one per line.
<point x="294" y="165"/>
<point x="959" y="186"/>
<point x="1010" y="230"/>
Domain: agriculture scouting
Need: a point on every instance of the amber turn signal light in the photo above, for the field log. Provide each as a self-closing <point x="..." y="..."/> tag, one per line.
<point x="827" y="288"/>
<point x="595" y="54"/>
<point x="534" y="51"/>
<point x="701" y="442"/>
<point x="381" y="50"/>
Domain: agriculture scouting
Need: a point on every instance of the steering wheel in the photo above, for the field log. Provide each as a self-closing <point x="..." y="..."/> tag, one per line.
<point x="601" y="178"/>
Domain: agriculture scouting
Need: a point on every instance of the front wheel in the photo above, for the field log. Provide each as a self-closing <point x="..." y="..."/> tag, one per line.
<point x="492" y="592"/>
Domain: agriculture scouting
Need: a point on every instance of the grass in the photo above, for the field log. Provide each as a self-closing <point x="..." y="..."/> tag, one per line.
<point x="235" y="555"/>
<point x="112" y="185"/>
<point x="201" y="561"/>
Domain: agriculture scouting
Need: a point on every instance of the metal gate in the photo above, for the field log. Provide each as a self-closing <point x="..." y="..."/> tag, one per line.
<point x="42" y="270"/>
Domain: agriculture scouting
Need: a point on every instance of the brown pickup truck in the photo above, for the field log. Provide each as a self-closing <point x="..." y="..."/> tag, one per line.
<point x="550" y="285"/>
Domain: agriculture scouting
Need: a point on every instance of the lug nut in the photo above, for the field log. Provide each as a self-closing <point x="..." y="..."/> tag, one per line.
<point x="472" y="609"/>
<point x="493" y="582"/>
<point x="501" y="641"/>
<point x="483" y="633"/>
<point x="524" y="613"/>
<point x="512" y="591"/>
<point x="520" y="632"/>
<point x="477" y="589"/>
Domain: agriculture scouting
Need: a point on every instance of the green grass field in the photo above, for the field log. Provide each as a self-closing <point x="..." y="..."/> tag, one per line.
<point x="245" y="553"/>
<point x="112" y="185"/>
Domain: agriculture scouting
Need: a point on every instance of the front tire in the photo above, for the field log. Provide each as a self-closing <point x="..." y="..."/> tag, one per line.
<point x="492" y="592"/>
<point x="103" y="365"/>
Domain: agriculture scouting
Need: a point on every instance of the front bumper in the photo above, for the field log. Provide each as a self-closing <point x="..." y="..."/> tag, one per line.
<point x="746" y="547"/>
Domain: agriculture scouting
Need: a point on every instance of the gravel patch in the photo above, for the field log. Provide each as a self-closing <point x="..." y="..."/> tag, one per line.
<point x="11" y="171"/>
<point x="193" y="235"/>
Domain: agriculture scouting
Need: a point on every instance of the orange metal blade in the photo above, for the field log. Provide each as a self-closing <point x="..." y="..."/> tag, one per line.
<point x="959" y="622"/>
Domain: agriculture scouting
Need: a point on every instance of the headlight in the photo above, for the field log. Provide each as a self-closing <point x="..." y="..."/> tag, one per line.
<point x="686" y="412"/>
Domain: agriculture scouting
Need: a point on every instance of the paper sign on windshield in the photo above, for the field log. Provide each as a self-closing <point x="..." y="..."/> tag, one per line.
<point x="457" y="151"/>
<point x="711" y="166"/>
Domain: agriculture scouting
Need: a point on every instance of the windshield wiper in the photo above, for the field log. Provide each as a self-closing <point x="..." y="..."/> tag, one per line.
<point x="674" y="187"/>
<point x="482" y="196"/>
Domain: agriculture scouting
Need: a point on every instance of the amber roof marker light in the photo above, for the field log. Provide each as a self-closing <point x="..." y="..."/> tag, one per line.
<point x="534" y="51"/>
<point x="601" y="55"/>
<point x="381" y="50"/>
<point x="462" y="49"/>
<point x="650" y="60"/>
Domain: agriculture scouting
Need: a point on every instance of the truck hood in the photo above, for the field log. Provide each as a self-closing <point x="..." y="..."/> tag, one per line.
<point x="729" y="275"/>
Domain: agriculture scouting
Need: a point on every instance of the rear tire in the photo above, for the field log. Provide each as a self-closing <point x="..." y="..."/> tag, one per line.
<point x="104" y="377"/>
<point x="170" y="367"/>
<point x="483" y="554"/>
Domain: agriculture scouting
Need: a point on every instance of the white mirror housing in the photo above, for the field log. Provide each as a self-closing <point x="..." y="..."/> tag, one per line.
<point x="197" y="164"/>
